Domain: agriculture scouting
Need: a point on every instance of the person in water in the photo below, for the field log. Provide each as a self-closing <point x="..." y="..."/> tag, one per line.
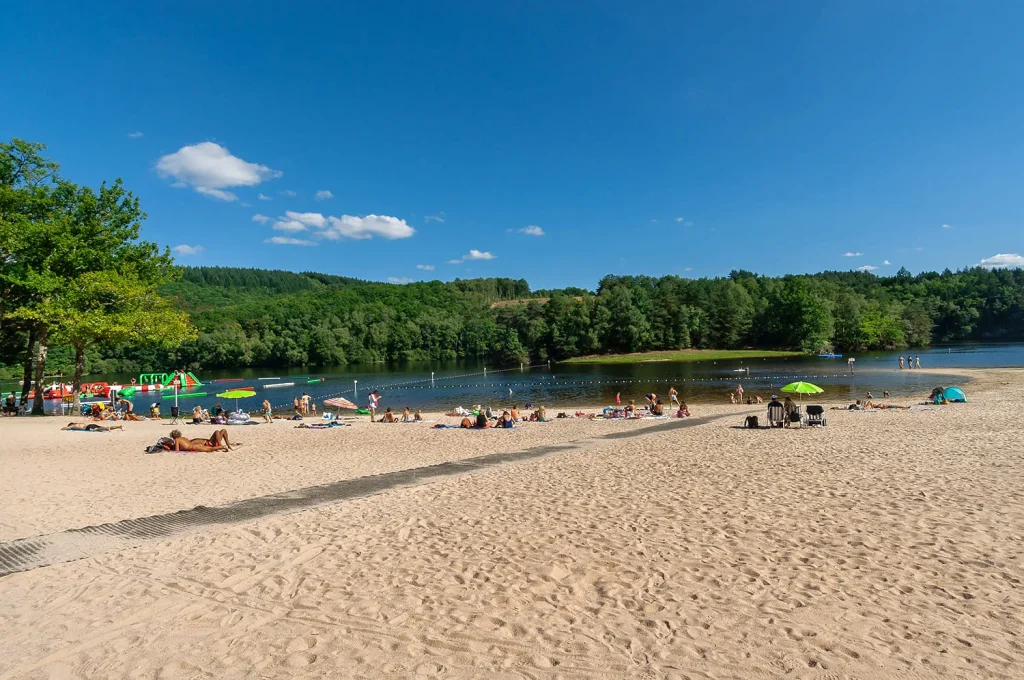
<point x="91" y="427"/>
<point x="218" y="441"/>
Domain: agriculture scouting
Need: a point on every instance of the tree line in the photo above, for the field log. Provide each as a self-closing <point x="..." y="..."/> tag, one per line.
<point x="82" y="293"/>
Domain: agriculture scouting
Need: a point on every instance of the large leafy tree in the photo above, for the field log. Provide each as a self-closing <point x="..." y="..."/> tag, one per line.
<point x="53" y="232"/>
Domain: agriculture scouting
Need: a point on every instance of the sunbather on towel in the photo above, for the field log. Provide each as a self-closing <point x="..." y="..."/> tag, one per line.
<point x="90" y="427"/>
<point x="218" y="441"/>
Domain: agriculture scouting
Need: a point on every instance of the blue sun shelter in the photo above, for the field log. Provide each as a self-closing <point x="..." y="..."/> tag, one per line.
<point x="954" y="395"/>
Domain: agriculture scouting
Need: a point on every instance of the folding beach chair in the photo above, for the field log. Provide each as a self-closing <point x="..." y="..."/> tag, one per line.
<point x="776" y="414"/>
<point x="816" y="415"/>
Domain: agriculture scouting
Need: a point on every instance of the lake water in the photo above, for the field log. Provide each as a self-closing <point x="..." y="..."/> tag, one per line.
<point x="464" y="383"/>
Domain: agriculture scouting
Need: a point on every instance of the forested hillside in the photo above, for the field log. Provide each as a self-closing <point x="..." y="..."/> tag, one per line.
<point x="251" y="317"/>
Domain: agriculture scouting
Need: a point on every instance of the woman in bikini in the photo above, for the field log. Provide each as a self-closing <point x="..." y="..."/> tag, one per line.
<point x="218" y="441"/>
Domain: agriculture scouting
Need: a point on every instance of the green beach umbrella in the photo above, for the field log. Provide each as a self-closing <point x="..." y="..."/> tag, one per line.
<point x="236" y="395"/>
<point x="802" y="387"/>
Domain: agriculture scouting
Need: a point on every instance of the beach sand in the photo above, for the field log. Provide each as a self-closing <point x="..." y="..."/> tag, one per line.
<point x="887" y="545"/>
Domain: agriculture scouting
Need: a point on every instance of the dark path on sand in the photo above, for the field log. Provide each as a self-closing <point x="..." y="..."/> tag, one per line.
<point x="25" y="554"/>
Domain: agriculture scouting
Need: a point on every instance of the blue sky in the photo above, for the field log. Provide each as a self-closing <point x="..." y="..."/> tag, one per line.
<point x="646" y="138"/>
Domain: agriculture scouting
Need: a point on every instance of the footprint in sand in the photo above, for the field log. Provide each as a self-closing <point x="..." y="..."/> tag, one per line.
<point x="301" y="644"/>
<point x="300" y="659"/>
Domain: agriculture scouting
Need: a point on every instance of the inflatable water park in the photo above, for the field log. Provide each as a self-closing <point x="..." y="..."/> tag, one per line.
<point x="146" y="382"/>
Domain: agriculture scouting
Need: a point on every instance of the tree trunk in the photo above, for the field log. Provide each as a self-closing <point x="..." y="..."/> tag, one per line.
<point x="37" y="398"/>
<point x="76" y="386"/>
<point x="30" y="355"/>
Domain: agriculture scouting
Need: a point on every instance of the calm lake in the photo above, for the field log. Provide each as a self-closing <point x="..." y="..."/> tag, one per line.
<point x="464" y="383"/>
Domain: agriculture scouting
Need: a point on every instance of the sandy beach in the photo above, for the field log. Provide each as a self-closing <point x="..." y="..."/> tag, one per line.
<point x="886" y="545"/>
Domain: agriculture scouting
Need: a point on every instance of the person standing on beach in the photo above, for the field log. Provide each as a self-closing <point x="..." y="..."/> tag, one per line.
<point x="919" y="361"/>
<point x="618" y="398"/>
<point x="739" y="393"/>
<point x="901" y="363"/>
<point x="268" y="413"/>
<point x="673" y="396"/>
<point x="296" y="406"/>
<point x="374" y="402"/>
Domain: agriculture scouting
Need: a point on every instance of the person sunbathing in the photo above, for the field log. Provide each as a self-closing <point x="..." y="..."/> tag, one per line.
<point x="218" y="441"/>
<point x="466" y="424"/>
<point x="658" y="408"/>
<point x="388" y="416"/>
<point x="91" y="427"/>
<point x="684" y="411"/>
<point x="406" y="417"/>
<point x="506" y="420"/>
<point x="630" y="409"/>
<point x="419" y="416"/>
<point x="515" y="413"/>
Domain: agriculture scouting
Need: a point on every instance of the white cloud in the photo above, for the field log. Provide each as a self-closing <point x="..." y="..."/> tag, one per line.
<point x="263" y="197"/>
<point x="426" y="267"/>
<point x="532" y="230"/>
<point x="1002" y="261"/>
<point x="289" y="193"/>
<point x="458" y="261"/>
<point x="475" y="254"/>
<point x="289" y="241"/>
<point x="851" y="254"/>
<point x="261" y="219"/>
<point x="309" y="219"/>
<point x="185" y="249"/>
<point x="687" y="269"/>
<point x="210" y="168"/>
<point x="289" y="225"/>
<point x="867" y="268"/>
<point x="217" y="193"/>
<point x="680" y="219"/>
<point x="947" y="226"/>
<point x="886" y="262"/>
<point x="399" y="279"/>
<point x="654" y="221"/>
<point x="323" y="195"/>
<point x="440" y="217"/>
<point x="919" y="249"/>
<point x="245" y="205"/>
<point x="134" y="135"/>
<point x="350" y="226"/>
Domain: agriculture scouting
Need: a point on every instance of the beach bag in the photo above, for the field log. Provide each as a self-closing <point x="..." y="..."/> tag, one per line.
<point x="750" y="422"/>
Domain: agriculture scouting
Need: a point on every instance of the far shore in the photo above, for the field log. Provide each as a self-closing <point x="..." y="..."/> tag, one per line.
<point x="682" y="355"/>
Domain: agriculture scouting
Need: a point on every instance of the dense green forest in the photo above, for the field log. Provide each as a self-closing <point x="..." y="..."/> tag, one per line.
<point x="252" y="317"/>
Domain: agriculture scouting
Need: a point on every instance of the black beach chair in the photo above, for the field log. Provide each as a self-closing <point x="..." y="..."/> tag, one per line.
<point x="776" y="414"/>
<point x="816" y="415"/>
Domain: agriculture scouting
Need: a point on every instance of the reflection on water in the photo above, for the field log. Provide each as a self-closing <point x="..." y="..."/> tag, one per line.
<point x="464" y="383"/>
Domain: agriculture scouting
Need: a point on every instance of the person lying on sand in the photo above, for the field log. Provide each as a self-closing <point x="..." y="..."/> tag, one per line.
<point x="91" y="427"/>
<point x="218" y="441"/>
<point x="466" y="424"/>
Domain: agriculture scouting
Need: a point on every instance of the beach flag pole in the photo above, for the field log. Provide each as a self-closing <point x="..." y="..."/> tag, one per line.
<point x="355" y="387"/>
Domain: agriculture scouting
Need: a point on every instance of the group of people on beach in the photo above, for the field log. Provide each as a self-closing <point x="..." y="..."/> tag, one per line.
<point x="911" y="362"/>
